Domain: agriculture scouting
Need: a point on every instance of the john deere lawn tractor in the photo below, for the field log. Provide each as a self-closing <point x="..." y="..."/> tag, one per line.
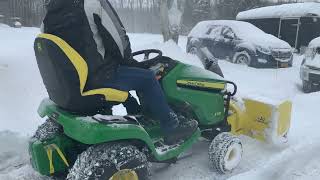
<point x="91" y="143"/>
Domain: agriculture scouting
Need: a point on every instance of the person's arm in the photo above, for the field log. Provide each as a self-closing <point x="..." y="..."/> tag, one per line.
<point x="114" y="36"/>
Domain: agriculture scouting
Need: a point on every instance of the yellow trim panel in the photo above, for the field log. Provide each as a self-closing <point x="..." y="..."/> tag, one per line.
<point x="49" y="150"/>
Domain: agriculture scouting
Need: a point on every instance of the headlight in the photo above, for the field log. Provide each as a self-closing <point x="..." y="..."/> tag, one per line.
<point x="310" y="53"/>
<point x="263" y="50"/>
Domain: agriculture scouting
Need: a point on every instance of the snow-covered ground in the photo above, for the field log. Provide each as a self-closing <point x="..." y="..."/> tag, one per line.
<point x="21" y="90"/>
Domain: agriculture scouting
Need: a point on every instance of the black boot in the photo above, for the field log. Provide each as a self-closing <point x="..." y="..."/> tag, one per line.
<point x="183" y="131"/>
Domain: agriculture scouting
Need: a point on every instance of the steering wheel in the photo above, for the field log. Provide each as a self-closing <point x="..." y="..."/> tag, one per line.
<point x="147" y="53"/>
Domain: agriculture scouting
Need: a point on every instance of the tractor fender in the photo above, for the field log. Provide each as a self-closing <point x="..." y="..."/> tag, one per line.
<point x="87" y="130"/>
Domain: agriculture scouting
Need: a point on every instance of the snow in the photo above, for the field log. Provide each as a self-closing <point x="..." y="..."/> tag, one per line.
<point x="282" y="11"/>
<point x="315" y="43"/>
<point x="22" y="90"/>
<point x="242" y="30"/>
<point x="3" y="25"/>
<point x="313" y="61"/>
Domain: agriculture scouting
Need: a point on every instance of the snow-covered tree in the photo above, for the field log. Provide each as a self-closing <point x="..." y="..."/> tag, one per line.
<point x="201" y="10"/>
<point x="171" y="12"/>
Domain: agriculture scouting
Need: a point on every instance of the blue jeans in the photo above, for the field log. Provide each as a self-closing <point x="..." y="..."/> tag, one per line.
<point x="144" y="82"/>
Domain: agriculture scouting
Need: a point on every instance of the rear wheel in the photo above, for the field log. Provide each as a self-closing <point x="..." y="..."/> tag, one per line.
<point x="48" y="130"/>
<point x="110" y="162"/>
<point x="243" y="58"/>
<point x="225" y="153"/>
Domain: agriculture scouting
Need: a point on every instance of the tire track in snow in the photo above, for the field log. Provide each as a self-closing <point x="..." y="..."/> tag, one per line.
<point x="297" y="162"/>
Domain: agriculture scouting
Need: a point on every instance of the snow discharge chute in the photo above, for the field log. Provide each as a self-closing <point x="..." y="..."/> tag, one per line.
<point x="268" y="122"/>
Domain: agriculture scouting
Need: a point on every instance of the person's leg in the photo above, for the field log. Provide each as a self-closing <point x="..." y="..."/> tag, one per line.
<point x="145" y="83"/>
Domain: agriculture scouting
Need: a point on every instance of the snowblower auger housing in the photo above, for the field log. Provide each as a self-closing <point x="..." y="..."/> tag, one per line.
<point x="70" y="136"/>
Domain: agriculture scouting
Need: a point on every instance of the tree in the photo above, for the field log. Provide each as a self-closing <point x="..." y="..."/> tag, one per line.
<point x="171" y="12"/>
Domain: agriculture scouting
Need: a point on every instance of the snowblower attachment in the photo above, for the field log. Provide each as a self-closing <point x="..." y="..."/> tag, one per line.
<point x="268" y="122"/>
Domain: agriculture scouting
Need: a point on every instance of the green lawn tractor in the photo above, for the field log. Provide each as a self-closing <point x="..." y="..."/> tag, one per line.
<point x="82" y="144"/>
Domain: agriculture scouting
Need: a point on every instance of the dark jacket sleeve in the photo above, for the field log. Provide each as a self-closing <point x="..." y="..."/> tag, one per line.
<point x="114" y="36"/>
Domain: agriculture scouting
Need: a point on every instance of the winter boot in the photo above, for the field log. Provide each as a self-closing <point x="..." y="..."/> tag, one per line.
<point x="185" y="129"/>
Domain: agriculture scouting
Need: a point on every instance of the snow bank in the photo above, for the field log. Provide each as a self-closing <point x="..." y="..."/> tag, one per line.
<point x="3" y="25"/>
<point x="279" y="11"/>
<point x="21" y="88"/>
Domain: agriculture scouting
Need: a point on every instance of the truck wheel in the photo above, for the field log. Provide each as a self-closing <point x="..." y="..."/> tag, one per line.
<point x="193" y="50"/>
<point x="110" y="162"/>
<point x="307" y="87"/>
<point x="242" y="57"/>
<point x="225" y="153"/>
<point x="48" y="130"/>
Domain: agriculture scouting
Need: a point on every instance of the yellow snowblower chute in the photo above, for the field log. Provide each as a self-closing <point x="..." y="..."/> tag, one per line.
<point x="266" y="122"/>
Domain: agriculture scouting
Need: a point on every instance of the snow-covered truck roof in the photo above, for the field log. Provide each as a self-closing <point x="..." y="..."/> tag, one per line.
<point x="281" y="11"/>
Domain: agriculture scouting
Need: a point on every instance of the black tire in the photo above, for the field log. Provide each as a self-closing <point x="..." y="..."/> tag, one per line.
<point x="307" y="87"/>
<point x="242" y="57"/>
<point x="193" y="50"/>
<point x="105" y="160"/>
<point x="225" y="153"/>
<point x="48" y="130"/>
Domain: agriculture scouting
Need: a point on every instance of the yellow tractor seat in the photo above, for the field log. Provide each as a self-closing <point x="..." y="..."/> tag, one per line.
<point x="65" y="75"/>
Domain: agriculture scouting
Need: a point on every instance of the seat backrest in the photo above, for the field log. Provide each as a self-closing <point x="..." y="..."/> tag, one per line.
<point x="64" y="73"/>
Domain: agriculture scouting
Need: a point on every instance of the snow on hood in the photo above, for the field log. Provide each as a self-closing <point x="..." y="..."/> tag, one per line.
<point x="244" y="31"/>
<point x="314" y="62"/>
<point x="267" y="41"/>
<point x="315" y="43"/>
<point x="285" y="10"/>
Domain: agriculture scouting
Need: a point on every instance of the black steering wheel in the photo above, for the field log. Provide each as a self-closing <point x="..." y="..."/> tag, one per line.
<point x="147" y="53"/>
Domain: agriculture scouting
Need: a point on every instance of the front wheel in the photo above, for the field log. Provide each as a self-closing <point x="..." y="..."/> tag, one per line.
<point x="110" y="162"/>
<point x="225" y="153"/>
<point x="242" y="57"/>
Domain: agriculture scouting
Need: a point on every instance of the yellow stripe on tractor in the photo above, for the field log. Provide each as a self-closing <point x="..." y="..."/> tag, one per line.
<point x="265" y="122"/>
<point x="201" y="84"/>
<point x="82" y="69"/>
<point x="53" y="147"/>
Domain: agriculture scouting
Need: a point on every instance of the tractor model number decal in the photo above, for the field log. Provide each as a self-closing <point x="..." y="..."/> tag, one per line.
<point x="201" y="84"/>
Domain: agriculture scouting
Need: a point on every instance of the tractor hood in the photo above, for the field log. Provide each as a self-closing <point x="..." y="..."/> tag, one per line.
<point x="195" y="77"/>
<point x="196" y="73"/>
